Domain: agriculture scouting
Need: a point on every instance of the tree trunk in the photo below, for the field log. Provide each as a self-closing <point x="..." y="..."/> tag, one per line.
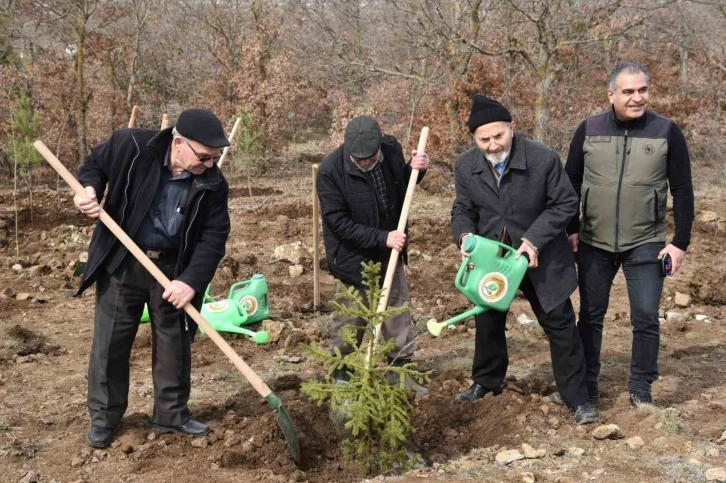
<point x="134" y="66"/>
<point x="683" y="55"/>
<point x="541" y="106"/>
<point x="80" y="84"/>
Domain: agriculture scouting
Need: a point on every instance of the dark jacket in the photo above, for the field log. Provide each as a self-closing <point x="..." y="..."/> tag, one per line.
<point x="355" y="225"/>
<point x="535" y="200"/>
<point x="126" y="169"/>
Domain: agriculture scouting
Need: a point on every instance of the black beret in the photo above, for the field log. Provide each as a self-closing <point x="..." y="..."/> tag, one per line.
<point x="202" y="126"/>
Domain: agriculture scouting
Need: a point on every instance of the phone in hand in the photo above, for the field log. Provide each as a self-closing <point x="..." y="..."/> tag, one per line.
<point x="667" y="264"/>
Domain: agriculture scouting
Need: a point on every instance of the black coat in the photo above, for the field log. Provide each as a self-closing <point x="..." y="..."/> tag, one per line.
<point x="126" y="169"/>
<point x="355" y="226"/>
<point x="535" y="200"/>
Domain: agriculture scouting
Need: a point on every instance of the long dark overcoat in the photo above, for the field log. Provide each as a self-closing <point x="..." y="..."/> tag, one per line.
<point x="535" y="200"/>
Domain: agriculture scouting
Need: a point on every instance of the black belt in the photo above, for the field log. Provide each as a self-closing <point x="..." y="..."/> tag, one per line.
<point x="159" y="253"/>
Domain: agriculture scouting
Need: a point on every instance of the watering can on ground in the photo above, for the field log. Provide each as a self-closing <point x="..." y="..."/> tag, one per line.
<point x="252" y="296"/>
<point x="246" y="304"/>
<point x="489" y="277"/>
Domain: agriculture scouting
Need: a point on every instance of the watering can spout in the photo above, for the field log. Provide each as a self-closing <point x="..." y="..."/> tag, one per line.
<point x="436" y="327"/>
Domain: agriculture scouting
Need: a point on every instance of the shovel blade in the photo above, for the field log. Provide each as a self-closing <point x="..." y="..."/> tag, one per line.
<point x="285" y="423"/>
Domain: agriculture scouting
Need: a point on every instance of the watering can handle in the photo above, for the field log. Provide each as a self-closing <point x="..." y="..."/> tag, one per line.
<point x="234" y="288"/>
<point x="509" y="250"/>
<point x="463" y="270"/>
<point x="208" y="298"/>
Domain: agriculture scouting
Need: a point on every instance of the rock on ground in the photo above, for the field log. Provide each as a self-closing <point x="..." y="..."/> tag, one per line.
<point x="528" y="478"/>
<point x="682" y="299"/>
<point x="30" y="477"/>
<point x="707" y="216"/>
<point x="607" y="431"/>
<point x="508" y="456"/>
<point x="274" y="329"/>
<point x="200" y="442"/>
<point x="294" y="252"/>
<point x="716" y="474"/>
<point x="635" y="442"/>
<point x="531" y="453"/>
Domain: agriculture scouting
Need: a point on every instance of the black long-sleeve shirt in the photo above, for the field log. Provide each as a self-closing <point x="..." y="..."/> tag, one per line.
<point x="679" y="178"/>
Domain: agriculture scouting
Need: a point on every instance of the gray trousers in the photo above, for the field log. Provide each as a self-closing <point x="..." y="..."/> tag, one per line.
<point x="120" y="299"/>
<point x="397" y="327"/>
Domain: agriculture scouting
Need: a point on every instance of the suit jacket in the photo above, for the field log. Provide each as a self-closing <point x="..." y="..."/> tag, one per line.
<point x="534" y="199"/>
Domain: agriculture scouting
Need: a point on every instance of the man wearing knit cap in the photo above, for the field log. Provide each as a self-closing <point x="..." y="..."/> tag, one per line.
<point x="165" y="190"/>
<point x="361" y="188"/>
<point x="515" y="191"/>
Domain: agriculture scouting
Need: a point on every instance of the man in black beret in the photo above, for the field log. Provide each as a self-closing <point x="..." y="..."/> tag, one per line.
<point x="361" y="188"/>
<point x="165" y="190"/>
<point x="515" y="191"/>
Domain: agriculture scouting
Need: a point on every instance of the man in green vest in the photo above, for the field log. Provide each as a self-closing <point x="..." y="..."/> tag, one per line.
<point x="621" y="164"/>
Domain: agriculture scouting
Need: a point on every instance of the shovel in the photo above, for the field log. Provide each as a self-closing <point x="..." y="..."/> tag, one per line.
<point x="132" y="119"/>
<point x="393" y="260"/>
<point x="283" y="418"/>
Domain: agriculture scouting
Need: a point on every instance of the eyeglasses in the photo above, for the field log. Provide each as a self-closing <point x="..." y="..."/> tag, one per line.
<point x="202" y="157"/>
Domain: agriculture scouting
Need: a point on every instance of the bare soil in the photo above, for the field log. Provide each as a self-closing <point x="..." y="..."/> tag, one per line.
<point x="46" y="333"/>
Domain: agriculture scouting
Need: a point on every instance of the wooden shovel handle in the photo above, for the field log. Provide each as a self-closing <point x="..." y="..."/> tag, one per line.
<point x="316" y="241"/>
<point x="231" y="138"/>
<point x="132" y="120"/>
<point x="106" y="219"/>
<point x="393" y="260"/>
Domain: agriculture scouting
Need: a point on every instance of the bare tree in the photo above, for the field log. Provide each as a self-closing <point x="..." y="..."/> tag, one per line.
<point x="141" y="9"/>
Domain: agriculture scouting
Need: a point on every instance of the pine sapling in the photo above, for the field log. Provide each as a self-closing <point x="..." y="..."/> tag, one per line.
<point x="374" y="401"/>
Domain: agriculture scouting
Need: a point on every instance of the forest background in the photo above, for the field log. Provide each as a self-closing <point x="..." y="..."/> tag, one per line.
<point x="298" y="70"/>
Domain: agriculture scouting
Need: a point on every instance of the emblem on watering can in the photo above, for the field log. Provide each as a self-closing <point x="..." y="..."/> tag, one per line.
<point x="492" y="287"/>
<point x="249" y="303"/>
<point x="219" y="306"/>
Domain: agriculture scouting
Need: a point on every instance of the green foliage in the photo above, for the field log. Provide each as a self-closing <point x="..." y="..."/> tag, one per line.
<point x="376" y="410"/>
<point x="250" y="142"/>
<point x="20" y="143"/>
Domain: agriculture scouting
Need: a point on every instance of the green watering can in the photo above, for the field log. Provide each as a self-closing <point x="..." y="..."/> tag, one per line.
<point x="246" y="304"/>
<point x="252" y="296"/>
<point x="488" y="280"/>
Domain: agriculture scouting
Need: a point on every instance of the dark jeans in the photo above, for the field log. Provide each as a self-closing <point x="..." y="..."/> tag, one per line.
<point x="120" y="299"/>
<point x="491" y="358"/>
<point x="644" y="277"/>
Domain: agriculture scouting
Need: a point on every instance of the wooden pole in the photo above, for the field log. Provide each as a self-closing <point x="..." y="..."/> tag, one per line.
<point x="132" y="119"/>
<point x="164" y="121"/>
<point x="316" y="241"/>
<point x="393" y="260"/>
<point x="231" y="138"/>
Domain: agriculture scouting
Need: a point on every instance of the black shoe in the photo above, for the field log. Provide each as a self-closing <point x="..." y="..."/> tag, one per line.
<point x="638" y="398"/>
<point x="191" y="427"/>
<point x="585" y="414"/>
<point x="99" y="437"/>
<point x="476" y="391"/>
